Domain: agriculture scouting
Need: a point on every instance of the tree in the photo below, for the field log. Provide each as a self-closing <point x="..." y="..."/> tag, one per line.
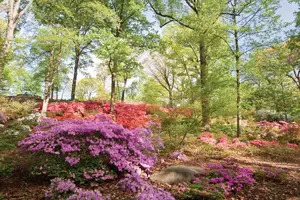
<point x="268" y="72"/>
<point x="15" y="10"/>
<point x="249" y="22"/>
<point x="83" y="17"/>
<point x="89" y="88"/>
<point x="202" y="18"/>
<point x="164" y="74"/>
<point x="127" y="38"/>
<point x="152" y="92"/>
<point x="51" y="44"/>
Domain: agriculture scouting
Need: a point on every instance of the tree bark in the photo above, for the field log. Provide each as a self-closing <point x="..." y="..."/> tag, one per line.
<point x="48" y="84"/>
<point x="76" y="67"/>
<point x="113" y="88"/>
<point x="237" y="71"/>
<point x="204" y="87"/>
<point x="124" y="90"/>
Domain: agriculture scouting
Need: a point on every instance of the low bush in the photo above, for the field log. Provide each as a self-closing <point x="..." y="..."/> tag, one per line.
<point x="270" y="174"/>
<point x="66" y="189"/>
<point x="143" y="190"/>
<point x="219" y="181"/>
<point x="15" y="109"/>
<point x="129" y="115"/>
<point x="89" y="150"/>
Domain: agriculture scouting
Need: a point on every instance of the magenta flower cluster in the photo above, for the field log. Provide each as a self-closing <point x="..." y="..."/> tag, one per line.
<point x="76" y="140"/>
<point x="66" y="188"/>
<point x="179" y="156"/>
<point x="227" y="176"/>
<point x="144" y="191"/>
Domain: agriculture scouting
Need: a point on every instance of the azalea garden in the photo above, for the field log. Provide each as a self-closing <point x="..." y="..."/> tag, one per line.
<point x="149" y="100"/>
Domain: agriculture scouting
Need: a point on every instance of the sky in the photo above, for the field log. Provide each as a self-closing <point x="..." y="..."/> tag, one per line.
<point x="287" y="10"/>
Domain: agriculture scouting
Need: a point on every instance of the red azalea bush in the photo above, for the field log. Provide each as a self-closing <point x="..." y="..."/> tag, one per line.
<point x="129" y="115"/>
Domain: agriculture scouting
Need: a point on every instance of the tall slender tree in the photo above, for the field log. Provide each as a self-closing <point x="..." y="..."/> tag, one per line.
<point x="251" y="23"/>
<point x="15" y="10"/>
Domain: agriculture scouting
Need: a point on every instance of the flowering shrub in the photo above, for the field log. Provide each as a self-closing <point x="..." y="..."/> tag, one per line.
<point x="279" y="130"/>
<point x="129" y="115"/>
<point x="178" y="155"/>
<point x="207" y="137"/>
<point x="89" y="149"/>
<point x="262" y="143"/>
<point x="294" y="146"/>
<point x="222" y="142"/>
<point x="220" y="180"/>
<point x="268" y="173"/>
<point x="144" y="191"/>
<point x="64" y="188"/>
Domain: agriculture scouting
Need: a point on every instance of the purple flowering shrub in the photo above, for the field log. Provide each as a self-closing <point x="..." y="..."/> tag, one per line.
<point x="220" y="180"/>
<point x="143" y="190"/>
<point x="66" y="189"/>
<point x="272" y="174"/>
<point x="89" y="150"/>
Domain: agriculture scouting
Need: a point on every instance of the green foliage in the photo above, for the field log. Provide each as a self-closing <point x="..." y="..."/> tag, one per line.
<point x="199" y="192"/>
<point x="51" y="167"/>
<point x="15" y="109"/>
<point x="152" y="93"/>
<point x="88" y="88"/>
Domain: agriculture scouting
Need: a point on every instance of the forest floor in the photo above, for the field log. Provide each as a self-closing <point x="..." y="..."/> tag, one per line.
<point x="20" y="187"/>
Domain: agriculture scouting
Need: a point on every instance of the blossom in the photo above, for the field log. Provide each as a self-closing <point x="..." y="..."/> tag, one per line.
<point x="72" y="161"/>
<point x="178" y="155"/>
<point x="294" y="146"/>
<point x="93" y="139"/>
<point x="145" y="191"/>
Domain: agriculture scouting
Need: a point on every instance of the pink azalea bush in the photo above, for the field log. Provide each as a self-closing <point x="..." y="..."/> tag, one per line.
<point x="89" y="149"/>
<point x="263" y="143"/>
<point x="179" y="156"/>
<point x="294" y="146"/>
<point x="207" y="138"/>
<point x="222" y="141"/>
<point x="221" y="180"/>
<point x="143" y="190"/>
<point x="64" y="188"/>
<point x="279" y="130"/>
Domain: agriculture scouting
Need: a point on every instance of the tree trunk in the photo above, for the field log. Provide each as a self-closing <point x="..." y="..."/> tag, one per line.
<point x="56" y="93"/>
<point x="170" y="98"/>
<point x="48" y="84"/>
<point x="76" y="67"/>
<point x="204" y="87"/>
<point x="124" y="90"/>
<point x="237" y="71"/>
<point x="113" y="90"/>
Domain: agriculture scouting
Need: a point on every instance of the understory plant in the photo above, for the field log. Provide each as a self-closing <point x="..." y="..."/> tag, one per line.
<point x="133" y="183"/>
<point x="89" y="150"/>
<point x="219" y="181"/>
<point x="66" y="189"/>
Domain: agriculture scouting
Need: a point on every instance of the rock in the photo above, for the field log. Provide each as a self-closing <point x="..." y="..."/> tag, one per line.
<point x="176" y="174"/>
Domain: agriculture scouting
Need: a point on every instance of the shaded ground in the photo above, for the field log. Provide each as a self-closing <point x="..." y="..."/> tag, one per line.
<point x="22" y="187"/>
